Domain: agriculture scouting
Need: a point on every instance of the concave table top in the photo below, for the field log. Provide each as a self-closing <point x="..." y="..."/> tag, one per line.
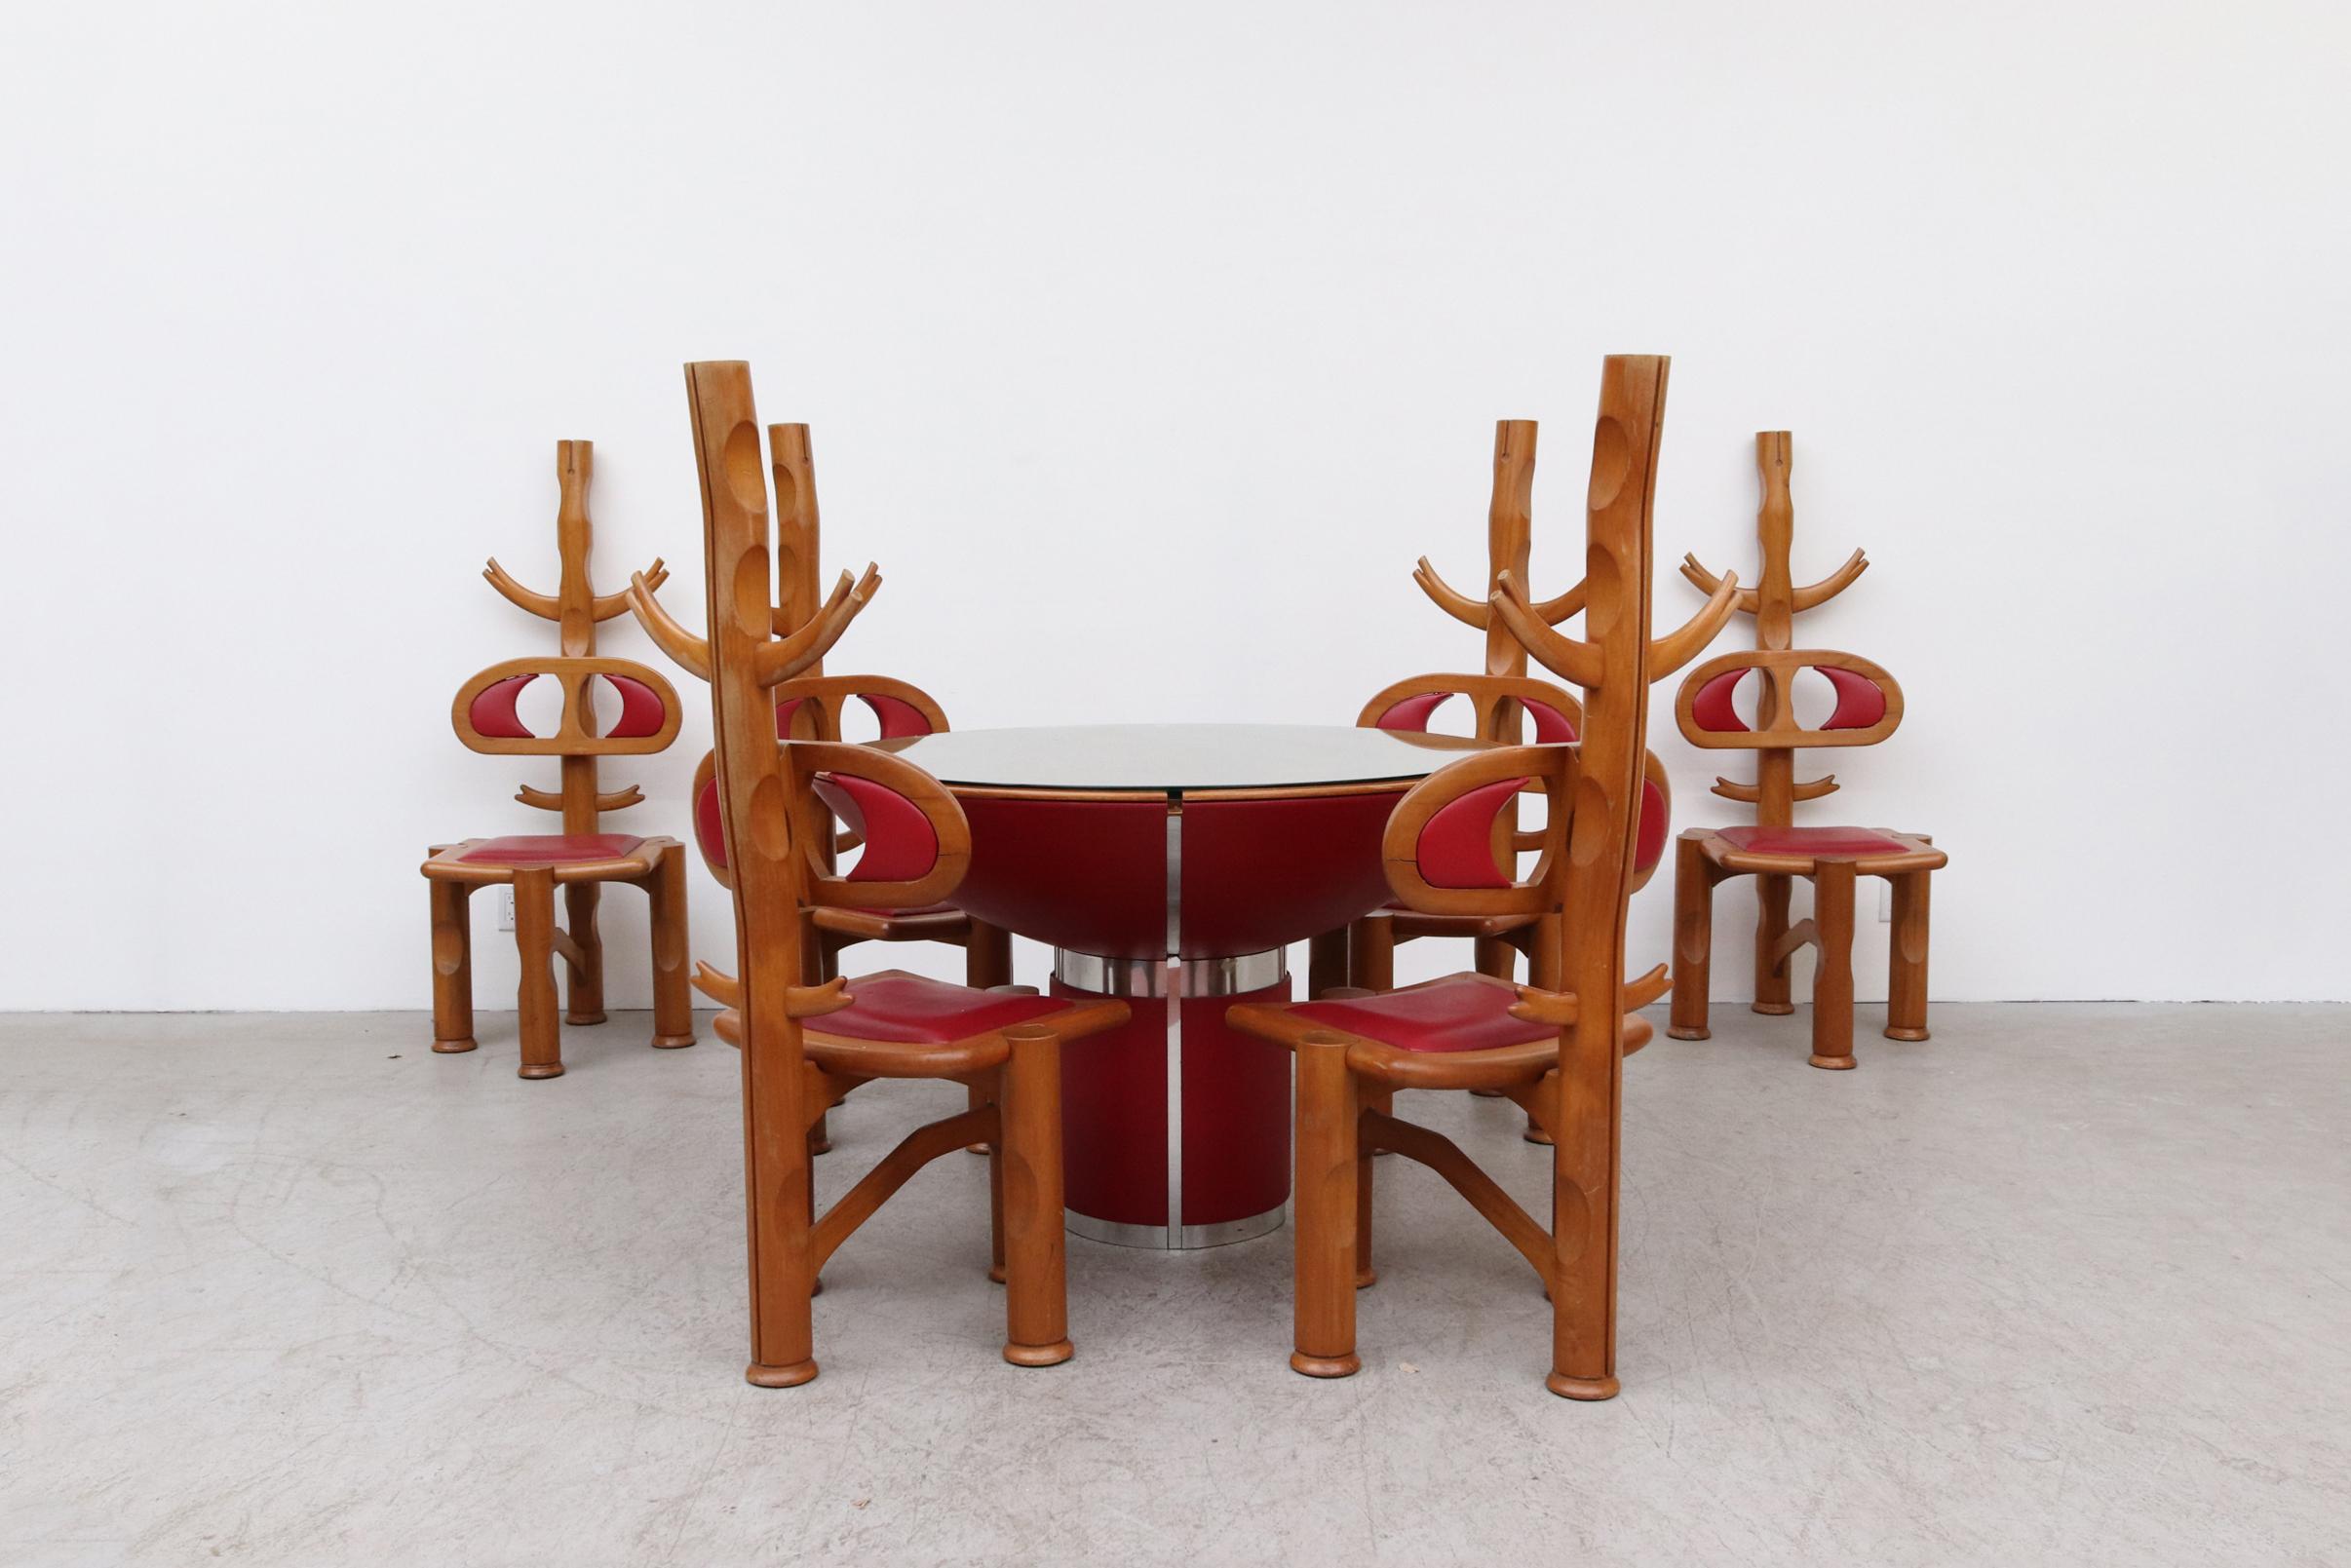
<point x="1153" y="759"/>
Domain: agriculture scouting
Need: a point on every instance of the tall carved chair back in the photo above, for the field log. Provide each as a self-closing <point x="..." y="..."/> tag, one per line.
<point x="486" y="716"/>
<point x="1362" y="955"/>
<point x="1866" y="709"/>
<point x="1003" y="1044"/>
<point x="1496" y="702"/>
<point x="813" y="706"/>
<point x="1555" y="1045"/>
<point x="1499" y="709"/>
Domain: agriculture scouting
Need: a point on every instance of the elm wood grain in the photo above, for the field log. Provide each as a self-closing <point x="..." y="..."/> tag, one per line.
<point x="1577" y="893"/>
<point x="778" y="875"/>
<point x="577" y="743"/>
<point x="1708" y="856"/>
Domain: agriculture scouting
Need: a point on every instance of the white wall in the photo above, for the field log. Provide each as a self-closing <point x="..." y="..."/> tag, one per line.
<point x="1146" y="348"/>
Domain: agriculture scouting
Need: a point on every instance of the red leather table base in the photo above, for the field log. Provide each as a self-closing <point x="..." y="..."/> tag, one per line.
<point x="1253" y="875"/>
<point x="1233" y="1146"/>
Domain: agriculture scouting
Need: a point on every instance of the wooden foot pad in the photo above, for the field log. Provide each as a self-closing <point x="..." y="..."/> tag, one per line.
<point x="1326" y="1365"/>
<point x="780" y="1377"/>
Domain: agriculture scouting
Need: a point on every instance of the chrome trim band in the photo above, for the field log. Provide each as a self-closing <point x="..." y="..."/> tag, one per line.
<point x="1188" y="1238"/>
<point x="1235" y="975"/>
<point x="1110" y="977"/>
<point x="1174" y="970"/>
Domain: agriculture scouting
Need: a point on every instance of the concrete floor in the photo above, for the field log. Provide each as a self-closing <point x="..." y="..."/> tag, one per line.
<point x="2068" y="1285"/>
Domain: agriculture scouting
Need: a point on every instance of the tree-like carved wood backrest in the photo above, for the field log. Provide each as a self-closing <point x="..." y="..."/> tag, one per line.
<point x="1411" y="704"/>
<point x="1495" y="704"/>
<point x="915" y="842"/>
<point x="1509" y="537"/>
<point x="768" y="844"/>
<point x="484" y="713"/>
<point x="810" y="707"/>
<point x="1439" y="842"/>
<point x="1580" y="957"/>
<point x="1868" y="701"/>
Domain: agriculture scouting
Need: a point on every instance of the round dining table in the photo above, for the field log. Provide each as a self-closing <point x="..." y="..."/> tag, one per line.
<point x="1171" y="866"/>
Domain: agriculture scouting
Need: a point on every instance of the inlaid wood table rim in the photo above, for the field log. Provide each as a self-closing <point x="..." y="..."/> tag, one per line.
<point x="1196" y="761"/>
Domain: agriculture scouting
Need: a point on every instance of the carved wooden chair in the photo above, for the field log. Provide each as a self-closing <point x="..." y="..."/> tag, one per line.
<point x="1868" y="708"/>
<point x="1005" y="1043"/>
<point x="582" y="858"/>
<point x="1509" y="532"/>
<point x="813" y="706"/>
<point x="1556" y="1045"/>
<point x="1496" y="702"/>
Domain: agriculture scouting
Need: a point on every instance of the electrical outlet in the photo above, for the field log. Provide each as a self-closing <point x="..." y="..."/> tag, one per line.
<point x="1885" y="901"/>
<point x="506" y="909"/>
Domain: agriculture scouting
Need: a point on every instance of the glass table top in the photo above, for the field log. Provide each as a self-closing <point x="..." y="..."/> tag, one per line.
<point x="1180" y="757"/>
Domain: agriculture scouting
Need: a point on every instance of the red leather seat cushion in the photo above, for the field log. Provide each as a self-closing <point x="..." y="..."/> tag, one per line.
<point x="894" y="1005"/>
<point x="551" y="849"/>
<point x="1810" y="841"/>
<point x="1459" y="1013"/>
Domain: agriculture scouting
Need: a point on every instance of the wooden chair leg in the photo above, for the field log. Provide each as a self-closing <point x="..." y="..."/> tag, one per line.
<point x="1832" y="977"/>
<point x="820" y="961"/>
<point x="673" y="991"/>
<point x="1907" y="972"/>
<point x="780" y="1188"/>
<point x="1371" y="1097"/>
<point x="452" y="965"/>
<point x="1772" y="991"/>
<point x="1543" y="951"/>
<point x="1036" y="1270"/>
<point x="988" y="957"/>
<point x="1584" y="1171"/>
<point x="1494" y="956"/>
<point x="1322" y="1244"/>
<point x="535" y="1001"/>
<point x="1371" y="953"/>
<point x="986" y="963"/>
<point x="584" y="980"/>
<point x="1693" y="941"/>
<point x="1327" y="962"/>
<point x="995" y="1179"/>
<point x="815" y="1092"/>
